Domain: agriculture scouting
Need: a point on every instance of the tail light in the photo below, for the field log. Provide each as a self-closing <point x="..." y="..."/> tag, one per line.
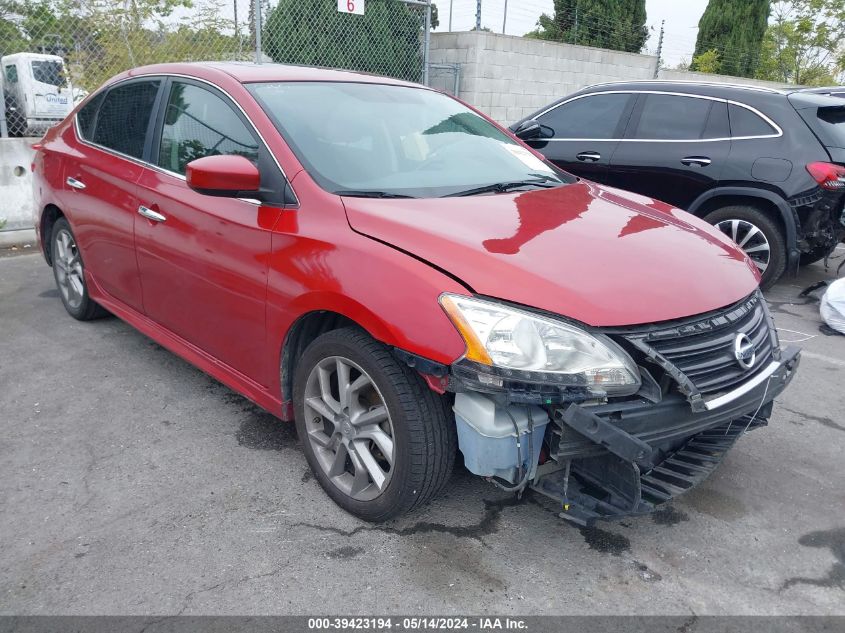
<point x="828" y="175"/>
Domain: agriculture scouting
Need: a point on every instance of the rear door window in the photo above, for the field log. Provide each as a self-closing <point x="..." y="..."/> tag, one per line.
<point x="199" y="123"/>
<point x="745" y="122"/>
<point x="596" y="116"/>
<point x="124" y="117"/>
<point x="678" y="118"/>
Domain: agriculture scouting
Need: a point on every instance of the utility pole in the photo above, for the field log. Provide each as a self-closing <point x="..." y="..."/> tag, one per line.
<point x="505" y="20"/>
<point x="427" y="43"/>
<point x="659" y="50"/>
<point x="478" y="15"/>
<point x="237" y="34"/>
<point x="450" y="15"/>
<point x="576" y="26"/>
<point x="257" y="31"/>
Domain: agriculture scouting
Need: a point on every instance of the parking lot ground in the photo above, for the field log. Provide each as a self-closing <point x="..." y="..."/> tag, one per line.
<point x="132" y="483"/>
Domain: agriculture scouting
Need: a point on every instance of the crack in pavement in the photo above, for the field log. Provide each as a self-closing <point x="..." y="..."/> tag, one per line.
<point x="829" y="423"/>
<point x="189" y="597"/>
<point x="489" y="524"/>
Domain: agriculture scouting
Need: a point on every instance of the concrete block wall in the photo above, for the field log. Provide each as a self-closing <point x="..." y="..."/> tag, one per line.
<point x="16" y="203"/>
<point x="509" y="77"/>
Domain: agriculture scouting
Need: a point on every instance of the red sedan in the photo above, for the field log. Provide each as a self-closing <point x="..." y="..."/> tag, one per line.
<point x="404" y="278"/>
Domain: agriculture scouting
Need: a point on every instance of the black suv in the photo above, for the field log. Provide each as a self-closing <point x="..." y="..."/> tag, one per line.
<point x="763" y="165"/>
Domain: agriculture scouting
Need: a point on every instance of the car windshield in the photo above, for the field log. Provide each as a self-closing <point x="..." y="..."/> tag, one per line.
<point x="49" y="72"/>
<point x="388" y="141"/>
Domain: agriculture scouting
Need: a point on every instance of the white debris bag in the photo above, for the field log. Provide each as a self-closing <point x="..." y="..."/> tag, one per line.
<point x="833" y="306"/>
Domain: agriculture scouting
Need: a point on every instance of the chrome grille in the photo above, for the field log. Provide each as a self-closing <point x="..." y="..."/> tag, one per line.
<point x="703" y="348"/>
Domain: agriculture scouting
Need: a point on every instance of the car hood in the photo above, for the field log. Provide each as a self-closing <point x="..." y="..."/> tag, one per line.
<point x="602" y="256"/>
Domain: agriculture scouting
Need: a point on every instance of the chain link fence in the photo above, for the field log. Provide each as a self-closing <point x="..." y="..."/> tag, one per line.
<point x="54" y="52"/>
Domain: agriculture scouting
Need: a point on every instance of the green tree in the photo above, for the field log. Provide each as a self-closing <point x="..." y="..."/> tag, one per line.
<point x="386" y="40"/>
<point x="614" y="24"/>
<point x="735" y="30"/>
<point x="708" y="62"/>
<point x="803" y="44"/>
<point x="122" y="34"/>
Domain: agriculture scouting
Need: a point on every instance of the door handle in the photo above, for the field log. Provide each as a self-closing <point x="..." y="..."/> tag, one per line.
<point x="698" y="161"/>
<point x="592" y="157"/>
<point x="76" y="184"/>
<point x="155" y="216"/>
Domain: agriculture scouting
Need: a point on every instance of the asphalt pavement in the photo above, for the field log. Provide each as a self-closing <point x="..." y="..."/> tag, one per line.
<point x="132" y="483"/>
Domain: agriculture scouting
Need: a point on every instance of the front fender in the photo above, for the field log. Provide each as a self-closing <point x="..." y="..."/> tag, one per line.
<point x="391" y="295"/>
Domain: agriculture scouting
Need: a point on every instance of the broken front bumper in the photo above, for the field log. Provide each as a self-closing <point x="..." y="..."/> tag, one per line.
<point x="620" y="459"/>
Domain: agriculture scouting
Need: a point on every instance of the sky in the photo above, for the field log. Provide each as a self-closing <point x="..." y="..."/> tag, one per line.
<point x="681" y="18"/>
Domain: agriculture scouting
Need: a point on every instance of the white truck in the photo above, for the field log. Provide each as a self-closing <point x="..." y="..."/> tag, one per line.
<point x="37" y="92"/>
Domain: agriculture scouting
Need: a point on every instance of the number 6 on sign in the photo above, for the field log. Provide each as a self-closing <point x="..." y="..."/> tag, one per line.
<point x="351" y="6"/>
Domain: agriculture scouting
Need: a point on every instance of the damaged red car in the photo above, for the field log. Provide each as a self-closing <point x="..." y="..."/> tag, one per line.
<point x="409" y="283"/>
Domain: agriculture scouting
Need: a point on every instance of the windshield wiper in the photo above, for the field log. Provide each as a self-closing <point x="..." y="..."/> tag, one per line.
<point x="504" y="187"/>
<point x="355" y="193"/>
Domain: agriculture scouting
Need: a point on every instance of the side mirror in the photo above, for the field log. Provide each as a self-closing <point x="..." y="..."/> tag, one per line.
<point x="528" y="130"/>
<point x="224" y="177"/>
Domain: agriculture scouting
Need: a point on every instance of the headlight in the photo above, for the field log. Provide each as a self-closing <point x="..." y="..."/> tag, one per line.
<point x="524" y="344"/>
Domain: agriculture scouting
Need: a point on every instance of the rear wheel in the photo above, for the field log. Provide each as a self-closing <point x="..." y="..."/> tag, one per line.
<point x="69" y="272"/>
<point x="378" y="440"/>
<point x="758" y="235"/>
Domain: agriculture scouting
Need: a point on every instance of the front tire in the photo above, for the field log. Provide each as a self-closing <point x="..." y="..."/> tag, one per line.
<point x="758" y="235"/>
<point x="69" y="273"/>
<point x="378" y="440"/>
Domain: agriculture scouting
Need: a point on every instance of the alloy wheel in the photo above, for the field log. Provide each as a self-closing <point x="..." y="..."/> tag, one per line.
<point x="69" y="274"/>
<point x="349" y="428"/>
<point x="750" y="239"/>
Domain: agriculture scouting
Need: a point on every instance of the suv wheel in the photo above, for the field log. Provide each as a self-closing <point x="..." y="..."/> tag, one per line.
<point x="758" y="235"/>
<point x="69" y="273"/>
<point x="378" y="440"/>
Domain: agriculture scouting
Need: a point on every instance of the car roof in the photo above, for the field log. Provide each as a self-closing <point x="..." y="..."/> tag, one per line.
<point x="824" y="90"/>
<point x="250" y="72"/>
<point x="714" y="89"/>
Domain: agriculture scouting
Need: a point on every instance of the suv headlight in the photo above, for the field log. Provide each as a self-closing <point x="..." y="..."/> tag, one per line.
<point x="525" y="345"/>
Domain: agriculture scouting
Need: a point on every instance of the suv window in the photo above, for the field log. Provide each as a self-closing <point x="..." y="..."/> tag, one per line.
<point x="745" y="123"/>
<point x="199" y="123"/>
<point x="677" y="118"/>
<point x="596" y="117"/>
<point x="12" y="74"/>
<point x="124" y="117"/>
<point x="86" y="116"/>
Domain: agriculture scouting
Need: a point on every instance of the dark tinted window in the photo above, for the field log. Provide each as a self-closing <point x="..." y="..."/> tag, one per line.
<point x="86" y="117"/>
<point x="674" y="118"/>
<point x="831" y="125"/>
<point x="12" y="74"/>
<point x="596" y="116"/>
<point x="49" y="72"/>
<point x="718" y="125"/>
<point x="124" y="116"/>
<point x="199" y="123"/>
<point x="745" y="123"/>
